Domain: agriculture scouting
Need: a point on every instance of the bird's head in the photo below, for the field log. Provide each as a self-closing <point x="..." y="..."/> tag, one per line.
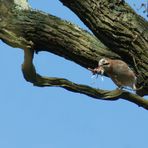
<point x="105" y="63"/>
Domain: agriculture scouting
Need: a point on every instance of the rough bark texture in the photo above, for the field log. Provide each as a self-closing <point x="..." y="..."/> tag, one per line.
<point x="120" y="29"/>
<point x="120" y="32"/>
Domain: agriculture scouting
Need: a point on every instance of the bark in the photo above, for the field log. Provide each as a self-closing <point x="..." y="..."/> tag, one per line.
<point x="120" y="33"/>
<point x="120" y="29"/>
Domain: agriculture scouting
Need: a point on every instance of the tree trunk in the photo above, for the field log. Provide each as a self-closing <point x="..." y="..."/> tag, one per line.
<point x="119" y="34"/>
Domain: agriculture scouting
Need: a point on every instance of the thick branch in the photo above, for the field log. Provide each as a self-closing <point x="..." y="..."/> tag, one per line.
<point x="32" y="29"/>
<point x="49" y="33"/>
<point x="119" y="28"/>
<point x="115" y="24"/>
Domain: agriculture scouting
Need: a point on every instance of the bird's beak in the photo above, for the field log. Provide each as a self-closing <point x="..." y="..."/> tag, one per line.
<point x="100" y="65"/>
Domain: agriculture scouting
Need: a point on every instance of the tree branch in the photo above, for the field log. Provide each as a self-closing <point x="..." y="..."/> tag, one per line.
<point x="37" y="31"/>
<point x="120" y="29"/>
<point x="30" y="75"/>
<point x="49" y="33"/>
<point x="92" y="92"/>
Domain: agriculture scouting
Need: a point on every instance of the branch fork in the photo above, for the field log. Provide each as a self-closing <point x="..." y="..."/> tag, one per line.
<point x="30" y="75"/>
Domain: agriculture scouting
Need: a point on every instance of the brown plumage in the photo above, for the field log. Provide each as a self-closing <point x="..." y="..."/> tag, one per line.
<point x="118" y="71"/>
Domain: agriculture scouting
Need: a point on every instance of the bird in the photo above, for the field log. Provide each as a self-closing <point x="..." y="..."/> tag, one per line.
<point x="118" y="71"/>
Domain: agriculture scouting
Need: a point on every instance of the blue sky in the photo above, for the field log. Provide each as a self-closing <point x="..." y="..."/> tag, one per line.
<point x="32" y="117"/>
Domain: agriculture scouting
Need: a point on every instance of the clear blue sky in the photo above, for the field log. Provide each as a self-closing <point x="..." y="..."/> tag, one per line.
<point x="32" y="117"/>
